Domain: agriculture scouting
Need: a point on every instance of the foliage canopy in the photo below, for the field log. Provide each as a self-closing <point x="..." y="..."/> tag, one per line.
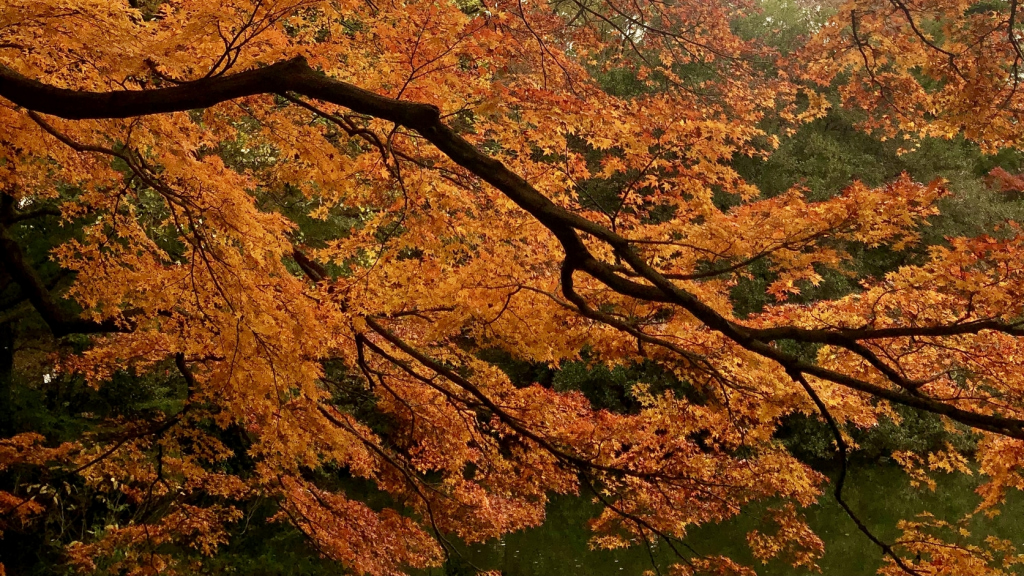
<point x="314" y="262"/>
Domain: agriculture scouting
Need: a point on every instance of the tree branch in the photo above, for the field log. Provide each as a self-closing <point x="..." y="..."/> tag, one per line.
<point x="841" y="479"/>
<point x="60" y="322"/>
<point x="298" y="77"/>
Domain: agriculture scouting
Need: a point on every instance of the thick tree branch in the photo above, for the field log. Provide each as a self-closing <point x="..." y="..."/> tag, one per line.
<point x="296" y="76"/>
<point x="60" y="322"/>
<point x="23" y="216"/>
<point x="311" y="268"/>
<point x="292" y="75"/>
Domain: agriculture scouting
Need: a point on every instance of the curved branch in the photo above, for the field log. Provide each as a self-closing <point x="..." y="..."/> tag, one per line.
<point x="60" y="322"/>
<point x="841" y="457"/>
<point x="297" y="76"/>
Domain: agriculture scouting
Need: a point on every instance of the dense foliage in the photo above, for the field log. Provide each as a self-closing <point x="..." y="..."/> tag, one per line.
<point x="291" y="283"/>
